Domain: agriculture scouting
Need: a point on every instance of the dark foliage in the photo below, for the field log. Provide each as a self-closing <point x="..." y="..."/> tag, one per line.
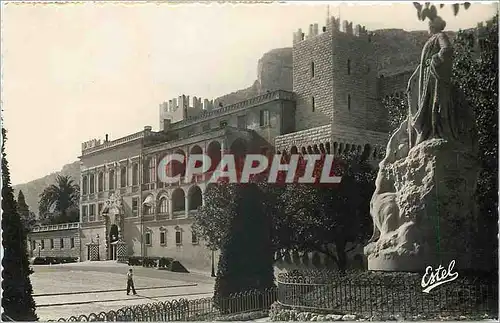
<point x="246" y="261"/>
<point x="59" y="203"/>
<point x="17" y="299"/>
<point x="27" y="217"/>
<point x="53" y="260"/>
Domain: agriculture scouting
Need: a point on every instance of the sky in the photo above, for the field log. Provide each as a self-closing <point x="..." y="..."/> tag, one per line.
<point x="74" y="72"/>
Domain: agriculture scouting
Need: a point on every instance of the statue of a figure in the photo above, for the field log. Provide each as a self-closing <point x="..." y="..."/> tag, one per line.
<point x="437" y="109"/>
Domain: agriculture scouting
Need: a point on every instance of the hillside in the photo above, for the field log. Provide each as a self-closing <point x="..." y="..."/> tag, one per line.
<point x="33" y="189"/>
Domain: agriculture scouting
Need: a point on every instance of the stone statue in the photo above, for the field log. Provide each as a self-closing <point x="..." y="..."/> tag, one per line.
<point x="423" y="204"/>
<point x="438" y="110"/>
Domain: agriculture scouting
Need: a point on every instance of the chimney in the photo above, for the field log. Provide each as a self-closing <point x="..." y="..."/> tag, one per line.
<point x="106" y="138"/>
<point x="166" y="125"/>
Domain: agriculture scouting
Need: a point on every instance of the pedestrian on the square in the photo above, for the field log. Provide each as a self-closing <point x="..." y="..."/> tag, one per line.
<point x="130" y="282"/>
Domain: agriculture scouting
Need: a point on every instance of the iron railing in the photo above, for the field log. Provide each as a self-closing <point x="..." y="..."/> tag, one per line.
<point x="341" y="294"/>
<point x="185" y="310"/>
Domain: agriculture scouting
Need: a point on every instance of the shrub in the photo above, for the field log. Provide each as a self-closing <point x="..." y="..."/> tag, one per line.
<point x="177" y="267"/>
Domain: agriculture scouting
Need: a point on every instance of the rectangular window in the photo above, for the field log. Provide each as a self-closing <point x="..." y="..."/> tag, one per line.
<point x="264" y="118"/>
<point x="242" y="122"/>
<point x="111" y="181"/>
<point x="135" y="205"/>
<point x="178" y="237"/>
<point x="51" y="243"/>
<point x="100" y="182"/>
<point x="148" y="238"/>
<point x="91" y="212"/>
<point x="348" y="102"/>
<point x="99" y="210"/>
<point x="42" y="242"/>
<point x="123" y="177"/>
<point x="312" y="69"/>
<point x="85" y="213"/>
<point x="194" y="238"/>
<point x="152" y="171"/>
<point x="163" y="238"/>
<point x="34" y="245"/>
<point x="135" y="174"/>
<point x="61" y="242"/>
<point x="313" y="104"/>
<point x="92" y="184"/>
<point x="85" y="184"/>
<point x="147" y="209"/>
<point x="348" y="67"/>
<point x="72" y="242"/>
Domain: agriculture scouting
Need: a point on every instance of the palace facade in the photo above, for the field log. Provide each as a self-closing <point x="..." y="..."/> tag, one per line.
<point x="335" y="106"/>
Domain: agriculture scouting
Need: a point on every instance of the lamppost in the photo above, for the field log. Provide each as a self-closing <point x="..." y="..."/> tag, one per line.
<point x="98" y="250"/>
<point x="213" y="267"/>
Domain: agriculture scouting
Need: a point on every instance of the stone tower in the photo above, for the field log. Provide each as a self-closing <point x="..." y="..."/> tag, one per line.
<point x="335" y="78"/>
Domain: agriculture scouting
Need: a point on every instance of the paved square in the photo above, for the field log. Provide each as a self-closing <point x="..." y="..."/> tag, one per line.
<point x="61" y="291"/>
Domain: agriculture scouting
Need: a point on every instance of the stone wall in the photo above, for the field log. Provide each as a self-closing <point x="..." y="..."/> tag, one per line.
<point x="355" y="84"/>
<point x="337" y="137"/>
<point x="191" y="255"/>
<point x="34" y="239"/>
<point x="395" y="83"/>
<point x="312" y="80"/>
<point x="304" y="138"/>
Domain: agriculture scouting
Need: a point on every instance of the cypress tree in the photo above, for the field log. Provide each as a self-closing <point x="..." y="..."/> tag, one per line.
<point x="27" y="217"/>
<point x="17" y="298"/>
<point x="246" y="261"/>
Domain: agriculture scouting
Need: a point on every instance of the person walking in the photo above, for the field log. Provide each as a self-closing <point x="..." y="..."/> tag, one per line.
<point x="130" y="282"/>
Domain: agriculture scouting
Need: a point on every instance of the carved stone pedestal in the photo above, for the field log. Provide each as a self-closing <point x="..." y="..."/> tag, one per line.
<point x="428" y="218"/>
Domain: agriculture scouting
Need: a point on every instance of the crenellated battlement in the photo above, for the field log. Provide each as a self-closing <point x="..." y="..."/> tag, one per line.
<point x="333" y="26"/>
<point x="185" y="101"/>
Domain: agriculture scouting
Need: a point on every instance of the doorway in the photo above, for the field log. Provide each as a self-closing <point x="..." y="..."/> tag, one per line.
<point x="113" y="237"/>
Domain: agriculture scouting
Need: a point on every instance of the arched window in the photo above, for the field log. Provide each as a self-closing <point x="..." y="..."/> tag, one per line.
<point x="163" y="205"/>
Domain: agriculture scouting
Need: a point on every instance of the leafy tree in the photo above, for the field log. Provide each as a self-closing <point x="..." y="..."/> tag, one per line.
<point x="327" y="218"/>
<point x="213" y="220"/>
<point x="430" y="11"/>
<point x="62" y="199"/>
<point x="304" y="217"/>
<point x="17" y="299"/>
<point x="475" y="72"/>
<point x="246" y="261"/>
<point x="27" y="217"/>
